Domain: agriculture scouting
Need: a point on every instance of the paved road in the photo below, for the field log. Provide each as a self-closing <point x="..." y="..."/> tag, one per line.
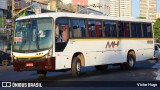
<point x="143" y="71"/>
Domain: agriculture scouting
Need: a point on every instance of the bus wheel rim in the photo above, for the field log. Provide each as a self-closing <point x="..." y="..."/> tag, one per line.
<point x="78" y="67"/>
<point x="131" y="62"/>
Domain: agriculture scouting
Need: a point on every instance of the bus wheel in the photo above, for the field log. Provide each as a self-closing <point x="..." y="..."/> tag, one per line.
<point x="5" y="62"/>
<point x="76" y="67"/>
<point x="101" y="67"/>
<point x="130" y="61"/>
<point x="41" y="73"/>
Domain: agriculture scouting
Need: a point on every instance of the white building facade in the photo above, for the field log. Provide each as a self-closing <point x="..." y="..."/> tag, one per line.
<point x="148" y="9"/>
<point x="121" y="8"/>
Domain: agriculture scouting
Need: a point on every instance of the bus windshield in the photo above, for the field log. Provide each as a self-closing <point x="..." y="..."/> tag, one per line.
<point x="32" y="35"/>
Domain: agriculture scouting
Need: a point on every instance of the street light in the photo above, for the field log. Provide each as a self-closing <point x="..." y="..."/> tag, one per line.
<point x="85" y="7"/>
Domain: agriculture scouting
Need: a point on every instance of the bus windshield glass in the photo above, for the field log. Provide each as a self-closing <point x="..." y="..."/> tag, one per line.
<point x="32" y="35"/>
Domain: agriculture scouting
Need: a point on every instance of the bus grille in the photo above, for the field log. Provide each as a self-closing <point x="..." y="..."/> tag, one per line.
<point x="29" y="59"/>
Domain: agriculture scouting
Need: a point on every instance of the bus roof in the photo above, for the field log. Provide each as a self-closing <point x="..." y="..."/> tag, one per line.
<point x="76" y="15"/>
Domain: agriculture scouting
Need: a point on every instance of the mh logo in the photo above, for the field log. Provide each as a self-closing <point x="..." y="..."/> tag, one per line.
<point x="112" y="44"/>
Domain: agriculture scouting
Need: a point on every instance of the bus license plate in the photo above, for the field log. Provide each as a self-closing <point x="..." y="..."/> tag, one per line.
<point x="29" y="64"/>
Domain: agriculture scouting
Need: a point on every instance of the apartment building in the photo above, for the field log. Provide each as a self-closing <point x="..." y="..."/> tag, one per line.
<point x="148" y="9"/>
<point x="121" y="8"/>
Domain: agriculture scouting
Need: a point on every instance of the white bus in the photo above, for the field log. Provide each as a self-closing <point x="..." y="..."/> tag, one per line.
<point x="68" y="41"/>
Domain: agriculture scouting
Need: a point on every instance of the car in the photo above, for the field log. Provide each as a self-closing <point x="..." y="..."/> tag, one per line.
<point x="157" y="51"/>
<point x="5" y="58"/>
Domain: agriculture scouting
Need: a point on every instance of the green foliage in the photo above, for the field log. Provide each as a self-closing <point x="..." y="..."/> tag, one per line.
<point x="141" y="17"/>
<point x="156" y="28"/>
<point x="1" y="22"/>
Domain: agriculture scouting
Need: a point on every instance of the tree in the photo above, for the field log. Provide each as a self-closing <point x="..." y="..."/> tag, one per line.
<point x="156" y="28"/>
<point x="1" y="21"/>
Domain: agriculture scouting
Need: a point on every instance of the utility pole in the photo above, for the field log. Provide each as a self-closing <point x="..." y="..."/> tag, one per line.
<point x="53" y="5"/>
<point x="16" y="11"/>
<point x="12" y="29"/>
<point x="13" y="14"/>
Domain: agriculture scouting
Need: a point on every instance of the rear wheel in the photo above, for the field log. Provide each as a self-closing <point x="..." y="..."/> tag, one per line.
<point x="42" y="73"/>
<point x="5" y="62"/>
<point x="130" y="62"/>
<point x="76" y="67"/>
<point x="101" y="67"/>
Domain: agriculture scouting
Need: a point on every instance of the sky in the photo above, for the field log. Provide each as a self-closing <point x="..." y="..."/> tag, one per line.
<point x="135" y="7"/>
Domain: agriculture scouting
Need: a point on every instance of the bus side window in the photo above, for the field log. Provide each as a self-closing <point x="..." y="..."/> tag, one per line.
<point x="107" y="29"/>
<point x="61" y="33"/>
<point x="110" y="29"/>
<point x="136" y="30"/>
<point x="147" y="30"/>
<point x="82" y="28"/>
<point x="89" y="28"/>
<point x="98" y="26"/>
<point x="78" y="28"/>
<point x="65" y="33"/>
<point x="121" y="29"/>
<point x="77" y="31"/>
<point x="139" y="30"/>
<point x="92" y="28"/>
<point x="126" y="30"/>
<point x="61" y="30"/>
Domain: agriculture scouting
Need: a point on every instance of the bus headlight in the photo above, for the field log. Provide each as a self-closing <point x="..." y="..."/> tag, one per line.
<point x="14" y="58"/>
<point x="46" y="56"/>
<point x="50" y="52"/>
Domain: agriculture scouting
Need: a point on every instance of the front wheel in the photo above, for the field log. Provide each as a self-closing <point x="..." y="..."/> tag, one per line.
<point x="75" y="67"/>
<point x="130" y="62"/>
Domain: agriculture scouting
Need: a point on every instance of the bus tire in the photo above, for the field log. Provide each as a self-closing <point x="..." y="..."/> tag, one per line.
<point x="41" y="73"/>
<point x="101" y="67"/>
<point x="130" y="61"/>
<point x="5" y="62"/>
<point x="76" y="67"/>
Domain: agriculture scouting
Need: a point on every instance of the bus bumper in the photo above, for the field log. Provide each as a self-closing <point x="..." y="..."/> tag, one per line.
<point x="31" y="65"/>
